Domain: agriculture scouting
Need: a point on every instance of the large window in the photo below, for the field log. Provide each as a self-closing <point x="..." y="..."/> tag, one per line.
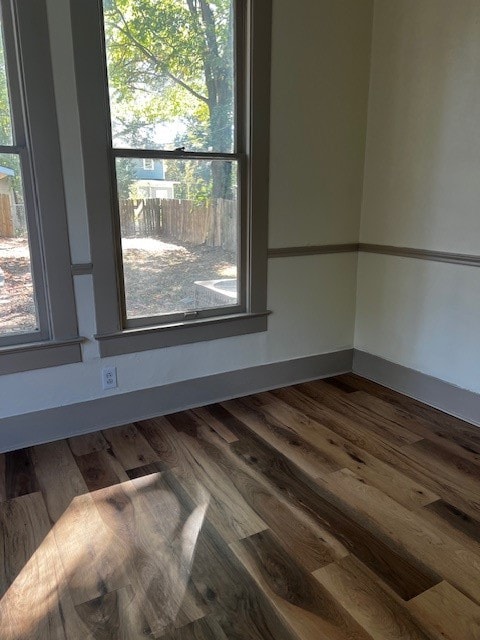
<point x="37" y="312"/>
<point x="184" y="149"/>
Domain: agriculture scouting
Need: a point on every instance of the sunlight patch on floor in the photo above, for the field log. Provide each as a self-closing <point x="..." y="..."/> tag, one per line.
<point x="133" y="534"/>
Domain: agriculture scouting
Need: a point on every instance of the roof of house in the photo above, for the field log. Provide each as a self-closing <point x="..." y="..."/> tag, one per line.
<point x="5" y="171"/>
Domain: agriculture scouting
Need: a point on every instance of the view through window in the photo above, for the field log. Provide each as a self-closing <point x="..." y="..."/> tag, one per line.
<point x="18" y="313"/>
<point x="171" y="71"/>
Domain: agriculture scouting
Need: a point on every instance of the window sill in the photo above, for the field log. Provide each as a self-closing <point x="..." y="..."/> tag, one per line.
<point x="170" y="335"/>
<point x="39" y="355"/>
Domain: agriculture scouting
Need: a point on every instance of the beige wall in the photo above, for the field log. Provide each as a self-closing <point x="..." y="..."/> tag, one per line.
<point x="422" y="188"/>
<point x="320" y="78"/>
<point x="321" y="53"/>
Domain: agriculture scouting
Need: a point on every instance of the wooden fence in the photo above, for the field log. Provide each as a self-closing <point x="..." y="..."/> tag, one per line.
<point x="213" y="224"/>
<point x="141" y="217"/>
<point x="7" y="229"/>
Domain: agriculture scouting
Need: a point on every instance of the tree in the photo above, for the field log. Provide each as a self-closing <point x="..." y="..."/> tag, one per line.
<point x="173" y="60"/>
<point x="125" y="170"/>
<point x="8" y="160"/>
<point x="5" y="117"/>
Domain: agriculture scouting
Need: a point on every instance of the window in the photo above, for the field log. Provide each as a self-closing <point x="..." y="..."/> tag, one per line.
<point x="186" y="86"/>
<point x="37" y="311"/>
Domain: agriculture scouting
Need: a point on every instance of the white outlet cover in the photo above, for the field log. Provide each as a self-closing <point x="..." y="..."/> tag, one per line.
<point x="109" y="377"/>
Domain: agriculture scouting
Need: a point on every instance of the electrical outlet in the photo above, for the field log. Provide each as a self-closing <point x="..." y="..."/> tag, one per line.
<point x="109" y="377"/>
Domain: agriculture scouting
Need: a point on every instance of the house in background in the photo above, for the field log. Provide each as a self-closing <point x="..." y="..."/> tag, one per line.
<point x="150" y="179"/>
<point x="6" y="175"/>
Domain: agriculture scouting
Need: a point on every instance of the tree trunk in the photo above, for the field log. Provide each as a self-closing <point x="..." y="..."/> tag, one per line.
<point x="221" y="170"/>
<point x="218" y="77"/>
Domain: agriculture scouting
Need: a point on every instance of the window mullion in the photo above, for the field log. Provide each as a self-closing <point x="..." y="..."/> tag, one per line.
<point x="41" y="164"/>
<point x="91" y="79"/>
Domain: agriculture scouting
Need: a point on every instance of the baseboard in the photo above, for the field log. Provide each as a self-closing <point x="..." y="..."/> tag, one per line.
<point x="86" y="417"/>
<point x="437" y="393"/>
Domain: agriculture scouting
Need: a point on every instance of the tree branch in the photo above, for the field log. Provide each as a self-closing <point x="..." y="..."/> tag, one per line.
<point x="150" y="56"/>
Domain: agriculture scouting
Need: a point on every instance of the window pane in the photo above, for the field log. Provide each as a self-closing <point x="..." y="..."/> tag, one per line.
<point x="179" y="226"/>
<point x="5" y="118"/>
<point x="171" y="70"/>
<point x="17" y="300"/>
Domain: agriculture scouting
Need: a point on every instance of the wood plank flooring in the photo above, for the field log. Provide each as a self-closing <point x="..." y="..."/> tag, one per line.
<point x="332" y="510"/>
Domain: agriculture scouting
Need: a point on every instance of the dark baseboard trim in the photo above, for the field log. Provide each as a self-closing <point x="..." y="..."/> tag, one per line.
<point x="437" y="393"/>
<point x="323" y="249"/>
<point x="63" y="422"/>
<point x="421" y="254"/>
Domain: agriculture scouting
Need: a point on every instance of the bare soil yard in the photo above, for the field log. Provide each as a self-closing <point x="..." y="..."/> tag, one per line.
<point x="159" y="277"/>
<point x="160" y="274"/>
<point x="17" y="306"/>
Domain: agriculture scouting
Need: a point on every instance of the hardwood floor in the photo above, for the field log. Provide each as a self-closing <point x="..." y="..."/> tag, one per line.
<point x="336" y="510"/>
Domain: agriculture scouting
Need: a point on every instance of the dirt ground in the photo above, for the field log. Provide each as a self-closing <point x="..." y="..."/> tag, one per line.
<point x="17" y="305"/>
<point x="159" y="278"/>
<point x="160" y="275"/>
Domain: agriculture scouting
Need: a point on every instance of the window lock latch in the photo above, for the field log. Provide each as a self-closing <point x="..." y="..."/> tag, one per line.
<point x="190" y="315"/>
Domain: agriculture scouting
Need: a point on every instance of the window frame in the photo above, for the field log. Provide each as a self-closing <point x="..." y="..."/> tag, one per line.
<point x="150" y="167"/>
<point x="115" y="333"/>
<point x="35" y="133"/>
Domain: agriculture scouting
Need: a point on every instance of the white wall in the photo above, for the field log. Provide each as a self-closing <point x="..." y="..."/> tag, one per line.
<point x="422" y="188"/>
<point x="319" y="96"/>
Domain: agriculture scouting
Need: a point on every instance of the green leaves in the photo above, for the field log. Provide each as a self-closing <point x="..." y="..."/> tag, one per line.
<point x="5" y="117"/>
<point x="171" y="72"/>
<point x="171" y="61"/>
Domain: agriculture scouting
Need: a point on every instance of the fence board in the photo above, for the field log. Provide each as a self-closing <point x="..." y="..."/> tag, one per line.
<point x="213" y="224"/>
<point x="6" y="219"/>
